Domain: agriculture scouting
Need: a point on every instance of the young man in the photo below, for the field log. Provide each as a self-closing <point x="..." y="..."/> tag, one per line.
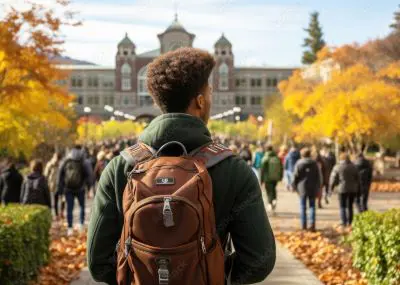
<point x="306" y="182"/>
<point x="178" y="83"/>
<point x="271" y="174"/>
<point x="75" y="173"/>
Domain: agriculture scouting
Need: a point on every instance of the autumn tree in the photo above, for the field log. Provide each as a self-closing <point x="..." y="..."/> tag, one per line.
<point x="282" y="120"/>
<point x="314" y="42"/>
<point x="359" y="104"/>
<point x="31" y="102"/>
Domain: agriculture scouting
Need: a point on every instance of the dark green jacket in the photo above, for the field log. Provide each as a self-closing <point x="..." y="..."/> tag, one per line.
<point x="265" y="176"/>
<point x="238" y="204"/>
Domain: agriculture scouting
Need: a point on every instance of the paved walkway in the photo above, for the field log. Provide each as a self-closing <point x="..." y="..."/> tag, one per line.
<point x="288" y="270"/>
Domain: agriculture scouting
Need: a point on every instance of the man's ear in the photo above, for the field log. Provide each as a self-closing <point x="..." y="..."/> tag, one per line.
<point x="200" y="101"/>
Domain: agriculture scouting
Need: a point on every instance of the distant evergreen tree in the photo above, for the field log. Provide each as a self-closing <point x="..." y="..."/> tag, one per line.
<point x="396" y="22"/>
<point x="314" y="42"/>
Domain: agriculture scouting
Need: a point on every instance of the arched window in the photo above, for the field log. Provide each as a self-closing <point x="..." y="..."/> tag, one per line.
<point x="126" y="69"/>
<point x="223" y="76"/>
<point x="143" y="95"/>
<point x="126" y="77"/>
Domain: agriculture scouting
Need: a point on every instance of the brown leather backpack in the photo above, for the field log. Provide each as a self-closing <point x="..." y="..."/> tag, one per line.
<point x="169" y="234"/>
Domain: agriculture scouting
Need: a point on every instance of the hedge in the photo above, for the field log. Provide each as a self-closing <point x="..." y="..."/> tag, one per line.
<point x="376" y="246"/>
<point x="24" y="242"/>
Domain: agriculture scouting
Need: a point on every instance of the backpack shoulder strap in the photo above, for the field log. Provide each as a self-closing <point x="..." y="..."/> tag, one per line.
<point x="137" y="153"/>
<point x="212" y="154"/>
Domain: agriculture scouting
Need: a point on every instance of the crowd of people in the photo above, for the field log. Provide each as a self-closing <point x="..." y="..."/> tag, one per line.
<point x="315" y="174"/>
<point x="69" y="175"/>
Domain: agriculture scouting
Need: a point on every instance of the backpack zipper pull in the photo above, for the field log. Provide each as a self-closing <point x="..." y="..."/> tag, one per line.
<point x="167" y="213"/>
<point x="203" y="245"/>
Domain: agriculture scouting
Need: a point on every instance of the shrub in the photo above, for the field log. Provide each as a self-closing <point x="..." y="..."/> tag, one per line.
<point x="376" y="246"/>
<point x="24" y="242"/>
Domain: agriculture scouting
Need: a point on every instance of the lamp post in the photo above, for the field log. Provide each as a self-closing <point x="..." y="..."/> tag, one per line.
<point x="87" y="111"/>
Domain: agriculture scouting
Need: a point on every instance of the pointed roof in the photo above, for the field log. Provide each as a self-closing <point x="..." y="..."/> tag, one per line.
<point x="222" y="42"/>
<point x="126" y="41"/>
<point x="175" y="25"/>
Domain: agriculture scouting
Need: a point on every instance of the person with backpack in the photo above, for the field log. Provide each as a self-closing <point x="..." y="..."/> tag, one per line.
<point x="271" y="174"/>
<point x="365" y="171"/>
<point x="10" y="183"/>
<point x="51" y="174"/>
<point x="164" y="208"/>
<point x="35" y="189"/>
<point x="74" y="176"/>
<point x="306" y="182"/>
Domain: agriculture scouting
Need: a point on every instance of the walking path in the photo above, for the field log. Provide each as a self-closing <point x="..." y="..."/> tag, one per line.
<point x="288" y="270"/>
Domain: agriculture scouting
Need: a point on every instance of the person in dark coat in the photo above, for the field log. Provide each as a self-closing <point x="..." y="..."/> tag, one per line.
<point x="306" y="182"/>
<point x="35" y="189"/>
<point x="345" y="176"/>
<point x="329" y="159"/>
<point x="365" y="171"/>
<point x="10" y="183"/>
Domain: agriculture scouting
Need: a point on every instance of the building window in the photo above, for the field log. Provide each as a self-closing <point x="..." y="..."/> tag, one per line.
<point x="145" y="101"/>
<point x="126" y="69"/>
<point x="93" y="82"/>
<point x="80" y="100"/>
<point x="126" y="100"/>
<point x="76" y="82"/>
<point x="274" y="82"/>
<point x="258" y="82"/>
<point x="240" y="100"/>
<point x="96" y="100"/>
<point x="126" y="84"/>
<point x="223" y="76"/>
<point x="144" y="96"/>
<point x="223" y="52"/>
<point x="237" y="82"/>
<point x="269" y="82"/>
<point x="255" y="100"/>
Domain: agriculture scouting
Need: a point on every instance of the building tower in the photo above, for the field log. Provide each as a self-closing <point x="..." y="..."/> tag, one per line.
<point x="175" y="36"/>
<point x="223" y="72"/>
<point x="125" y="65"/>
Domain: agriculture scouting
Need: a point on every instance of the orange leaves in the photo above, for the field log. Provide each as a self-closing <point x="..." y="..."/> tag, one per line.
<point x="32" y="105"/>
<point x="385" y="186"/>
<point x="330" y="263"/>
<point x="68" y="258"/>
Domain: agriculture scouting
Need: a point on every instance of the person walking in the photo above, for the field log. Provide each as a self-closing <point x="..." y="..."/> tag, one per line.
<point x="258" y="156"/>
<point x="35" y="189"/>
<point x="10" y="183"/>
<point x="345" y="176"/>
<point x="306" y="182"/>
<point x="290" y="161"/>
<point x="176" y="240"/>
<point x="74" y="175"/>
<point x="365" y="171"/>
<point x="329" y="160"/>
<point x="321" y="167"/>
<point x="271" y="174"/>
<point x="51" y="174"/>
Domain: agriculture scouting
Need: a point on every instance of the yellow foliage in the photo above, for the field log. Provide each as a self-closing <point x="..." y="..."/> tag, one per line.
<point x="357" y="105"/>
<point x="108" y="130"/>
<point x="32" y="106"/>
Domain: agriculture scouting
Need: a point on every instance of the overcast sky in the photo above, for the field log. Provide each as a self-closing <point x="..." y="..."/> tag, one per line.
<point x="263" y="32"/>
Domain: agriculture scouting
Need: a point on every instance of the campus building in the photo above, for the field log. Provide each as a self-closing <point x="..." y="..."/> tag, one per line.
<point x="124" y="86"/>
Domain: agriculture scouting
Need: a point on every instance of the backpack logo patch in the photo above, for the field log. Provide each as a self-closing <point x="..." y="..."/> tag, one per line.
<point x="165" y="181"/>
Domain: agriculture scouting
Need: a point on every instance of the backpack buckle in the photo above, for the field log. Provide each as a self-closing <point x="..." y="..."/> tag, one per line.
<point x="163" y="272"/>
